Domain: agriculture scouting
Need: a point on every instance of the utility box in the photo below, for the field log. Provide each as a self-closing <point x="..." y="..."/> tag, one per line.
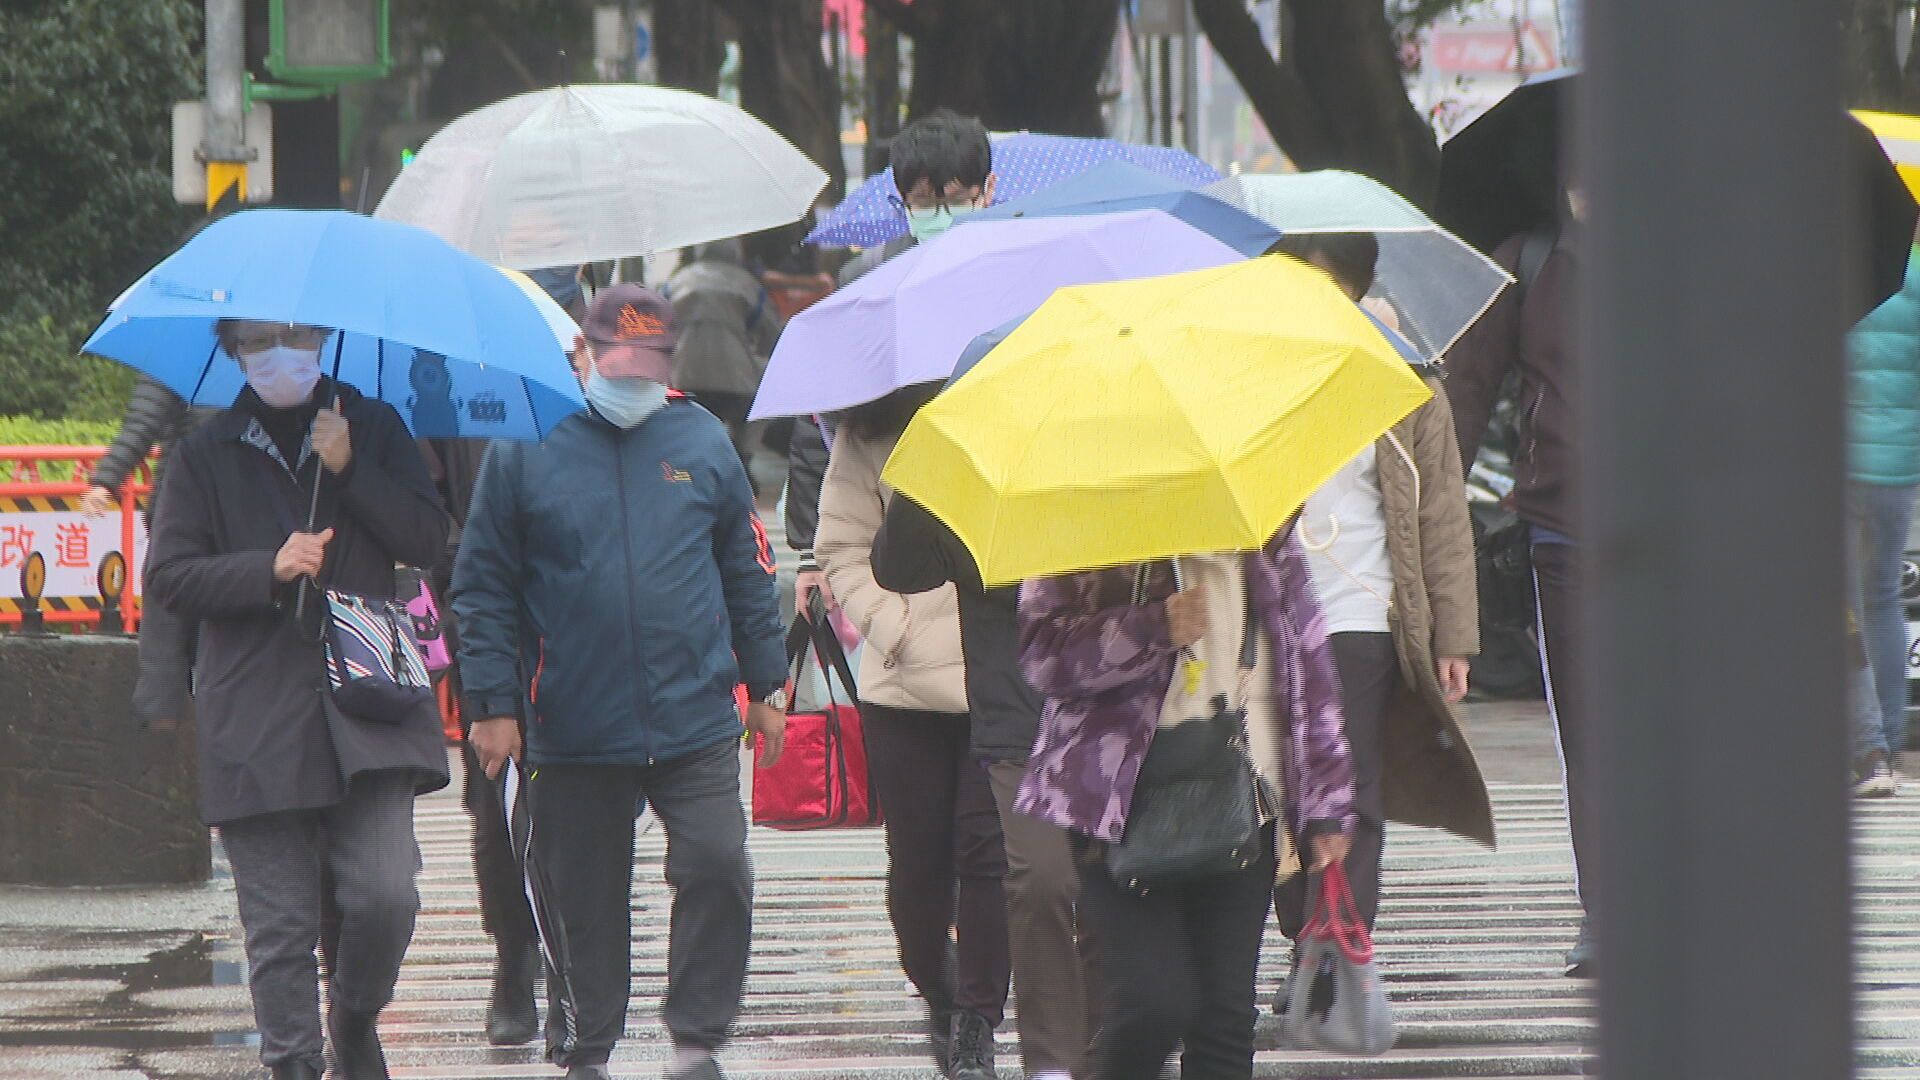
<point x="190" y="173"/>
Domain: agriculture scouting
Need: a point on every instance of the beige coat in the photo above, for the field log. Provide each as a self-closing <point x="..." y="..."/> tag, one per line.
<point x="1431" y="776"/>
<point x="912" y="656"/>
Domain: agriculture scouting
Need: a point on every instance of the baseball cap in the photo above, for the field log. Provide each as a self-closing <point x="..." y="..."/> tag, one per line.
<point x="631" y="328"/>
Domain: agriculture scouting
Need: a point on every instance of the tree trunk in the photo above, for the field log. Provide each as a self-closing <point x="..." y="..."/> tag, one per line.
<point x="883" y="88"/>
<point x="689" y="45"/>
<point x="1339" y="100"/>
<point x="785" y="81"/>
<point x="1015" y="64"/>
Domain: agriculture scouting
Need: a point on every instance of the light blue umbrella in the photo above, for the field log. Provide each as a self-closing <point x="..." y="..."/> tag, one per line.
<point x="452" y="343"/>
<point x="1436" y="282"/>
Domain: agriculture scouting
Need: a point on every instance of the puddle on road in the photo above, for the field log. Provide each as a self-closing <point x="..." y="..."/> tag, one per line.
<point x="112" y="1022"/>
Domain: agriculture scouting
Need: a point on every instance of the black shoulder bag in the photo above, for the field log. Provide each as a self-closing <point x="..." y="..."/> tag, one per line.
<point x="1199" y="804"/>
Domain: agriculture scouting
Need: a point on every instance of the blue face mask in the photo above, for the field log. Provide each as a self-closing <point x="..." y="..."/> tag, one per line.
<point x="925" y="224"/>
<point x="625" y="401"/>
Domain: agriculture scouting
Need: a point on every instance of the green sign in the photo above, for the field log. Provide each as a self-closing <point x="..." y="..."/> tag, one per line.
<point x="328" y="42"/>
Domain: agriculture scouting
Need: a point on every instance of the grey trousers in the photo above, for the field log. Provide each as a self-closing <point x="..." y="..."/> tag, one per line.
<point x="1052" y="952"/>
<point x="363" y="848"/>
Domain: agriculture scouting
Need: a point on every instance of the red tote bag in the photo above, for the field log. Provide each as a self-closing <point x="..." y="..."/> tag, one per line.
<point x="821" y="780"/>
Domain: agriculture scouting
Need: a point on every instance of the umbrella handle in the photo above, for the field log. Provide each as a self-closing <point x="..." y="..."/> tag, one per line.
<point x="308" y="584"/>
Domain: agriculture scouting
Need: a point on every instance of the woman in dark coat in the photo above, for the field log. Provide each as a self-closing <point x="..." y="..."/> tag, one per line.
<point x="308" y="801"/>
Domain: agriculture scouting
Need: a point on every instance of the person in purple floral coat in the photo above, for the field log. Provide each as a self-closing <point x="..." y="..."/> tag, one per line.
<point x="1178" y="963"/>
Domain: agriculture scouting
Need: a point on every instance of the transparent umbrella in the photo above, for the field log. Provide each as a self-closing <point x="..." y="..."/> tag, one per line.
<point x="1437" y="283"/>
<point x="586" y="173"/>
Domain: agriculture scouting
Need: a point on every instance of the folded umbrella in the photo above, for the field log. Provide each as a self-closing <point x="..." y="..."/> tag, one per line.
<point x="1437" y="282"/>
<point x="585" y="173"/>
<point x="457" y="347"/>
<point x="1153" y="418"/>
<point x="546" y="922"/>
<point x="907" y="322"/>
<point x="1024" y="163"/>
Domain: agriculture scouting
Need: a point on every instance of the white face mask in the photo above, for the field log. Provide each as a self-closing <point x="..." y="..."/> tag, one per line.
<point x="625" y="401"/>
<point x="283" y="376"/>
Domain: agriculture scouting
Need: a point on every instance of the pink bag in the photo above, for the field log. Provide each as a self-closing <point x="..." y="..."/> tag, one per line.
<point x="425" y="612"/>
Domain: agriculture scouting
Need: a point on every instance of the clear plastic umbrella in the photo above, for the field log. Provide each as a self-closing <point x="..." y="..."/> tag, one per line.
<point x="586" y="173"/>
<point x="1437" y="283"/>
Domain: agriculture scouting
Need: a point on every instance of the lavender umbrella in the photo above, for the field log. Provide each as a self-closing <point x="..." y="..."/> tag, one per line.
<point x="908" y="321"/>
<point x="1025" y="163"/>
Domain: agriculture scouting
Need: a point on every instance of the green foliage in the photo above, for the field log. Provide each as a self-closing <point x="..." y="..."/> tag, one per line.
<point x="28" y="431"/>
<point x="43" y="375"/>
<point x="86" y="202"/>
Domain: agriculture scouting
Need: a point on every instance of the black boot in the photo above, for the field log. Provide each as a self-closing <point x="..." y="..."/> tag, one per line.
<point x="356" y="1046"/>
<point x="512" y="1019"/>
<point x="295" y="1070"/>
<point x="972" y="1048"/>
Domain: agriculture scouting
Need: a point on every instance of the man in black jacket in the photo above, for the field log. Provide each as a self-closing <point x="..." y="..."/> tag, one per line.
<point x="915" y="552"/>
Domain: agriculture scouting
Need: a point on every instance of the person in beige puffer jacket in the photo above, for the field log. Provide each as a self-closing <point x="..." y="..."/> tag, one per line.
<point x="945" y="859"/>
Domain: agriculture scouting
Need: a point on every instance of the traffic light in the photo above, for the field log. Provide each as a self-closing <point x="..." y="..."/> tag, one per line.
<point x="328" y="42"/>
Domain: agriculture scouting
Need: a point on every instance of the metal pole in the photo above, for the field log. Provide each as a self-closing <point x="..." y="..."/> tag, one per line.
<point x="223" y="148"/>
<point x="1712" y="467"/>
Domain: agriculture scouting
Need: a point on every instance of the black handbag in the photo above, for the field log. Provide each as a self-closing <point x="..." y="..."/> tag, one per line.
<point x="1199" y="805"/>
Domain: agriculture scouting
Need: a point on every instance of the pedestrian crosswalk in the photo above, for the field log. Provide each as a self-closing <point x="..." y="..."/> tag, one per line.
<point x="1470" y="942"/>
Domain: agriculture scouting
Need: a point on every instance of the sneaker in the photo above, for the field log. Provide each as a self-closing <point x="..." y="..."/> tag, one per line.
<point x="1873" y="777"/>
<point x="972" y="1057"/>
<point x="1580" y="958"/>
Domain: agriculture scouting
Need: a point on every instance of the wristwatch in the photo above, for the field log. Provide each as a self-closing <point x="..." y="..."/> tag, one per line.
<point x="776" y="700"/>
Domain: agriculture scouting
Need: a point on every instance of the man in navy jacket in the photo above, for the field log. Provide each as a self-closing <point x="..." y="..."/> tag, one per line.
<point x="613" y="586"/>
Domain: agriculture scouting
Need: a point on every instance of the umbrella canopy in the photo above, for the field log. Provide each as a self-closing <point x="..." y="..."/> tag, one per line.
<point x="1899" y="136"/>
<point x="459" y="348"/>
<point x="907" y="322"/>
<point x="1437" y="282"/>
<point x="585" y="173"/>
<point x="1500" y="174"/>
<point x="1117" y="186"/>
<point x="1153" y="418"/>
<point x="1500" y="178"/>
<point x="1024" y="163"/>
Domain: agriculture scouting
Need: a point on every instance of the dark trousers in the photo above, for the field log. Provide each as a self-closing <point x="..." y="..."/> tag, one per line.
<point x="583" y="825"/>
<point x="945" y="861"/>
<point x="357" y="859"/>
<point x="504" y="913"/>
<point x="1177" y="966"/>
<point x="1052" y="952"/>
<point x="1562" y="660"/>
<point x="1369" y="668"/>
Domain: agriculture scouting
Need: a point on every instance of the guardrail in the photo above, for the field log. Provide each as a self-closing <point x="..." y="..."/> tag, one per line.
<point x="50" y="563"/>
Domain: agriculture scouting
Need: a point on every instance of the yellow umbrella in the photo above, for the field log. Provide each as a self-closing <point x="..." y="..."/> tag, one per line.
<point x="1899" y="135"/>
<point x="1153" y="418"/>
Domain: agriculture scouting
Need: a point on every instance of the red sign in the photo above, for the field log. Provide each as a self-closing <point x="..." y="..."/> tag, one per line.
<point x="1483" y="50"/>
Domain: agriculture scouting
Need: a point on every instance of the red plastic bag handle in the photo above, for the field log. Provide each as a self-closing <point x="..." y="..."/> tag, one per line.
<point x="1337" y="917"/>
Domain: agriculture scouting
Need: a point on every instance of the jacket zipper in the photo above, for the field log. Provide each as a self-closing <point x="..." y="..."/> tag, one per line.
<point x="1533" y="439"/>
<point x="533" y="692"/>
<point x="626" y="556"/>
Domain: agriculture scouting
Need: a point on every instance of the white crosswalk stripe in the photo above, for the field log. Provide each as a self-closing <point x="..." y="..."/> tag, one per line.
<point x="1470" y="942"/>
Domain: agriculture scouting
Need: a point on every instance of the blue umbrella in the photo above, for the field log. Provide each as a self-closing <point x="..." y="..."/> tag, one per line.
<point x="1024" y="163"/>
<point x="1116" y="186"/>
<point x="452" y="343"/>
